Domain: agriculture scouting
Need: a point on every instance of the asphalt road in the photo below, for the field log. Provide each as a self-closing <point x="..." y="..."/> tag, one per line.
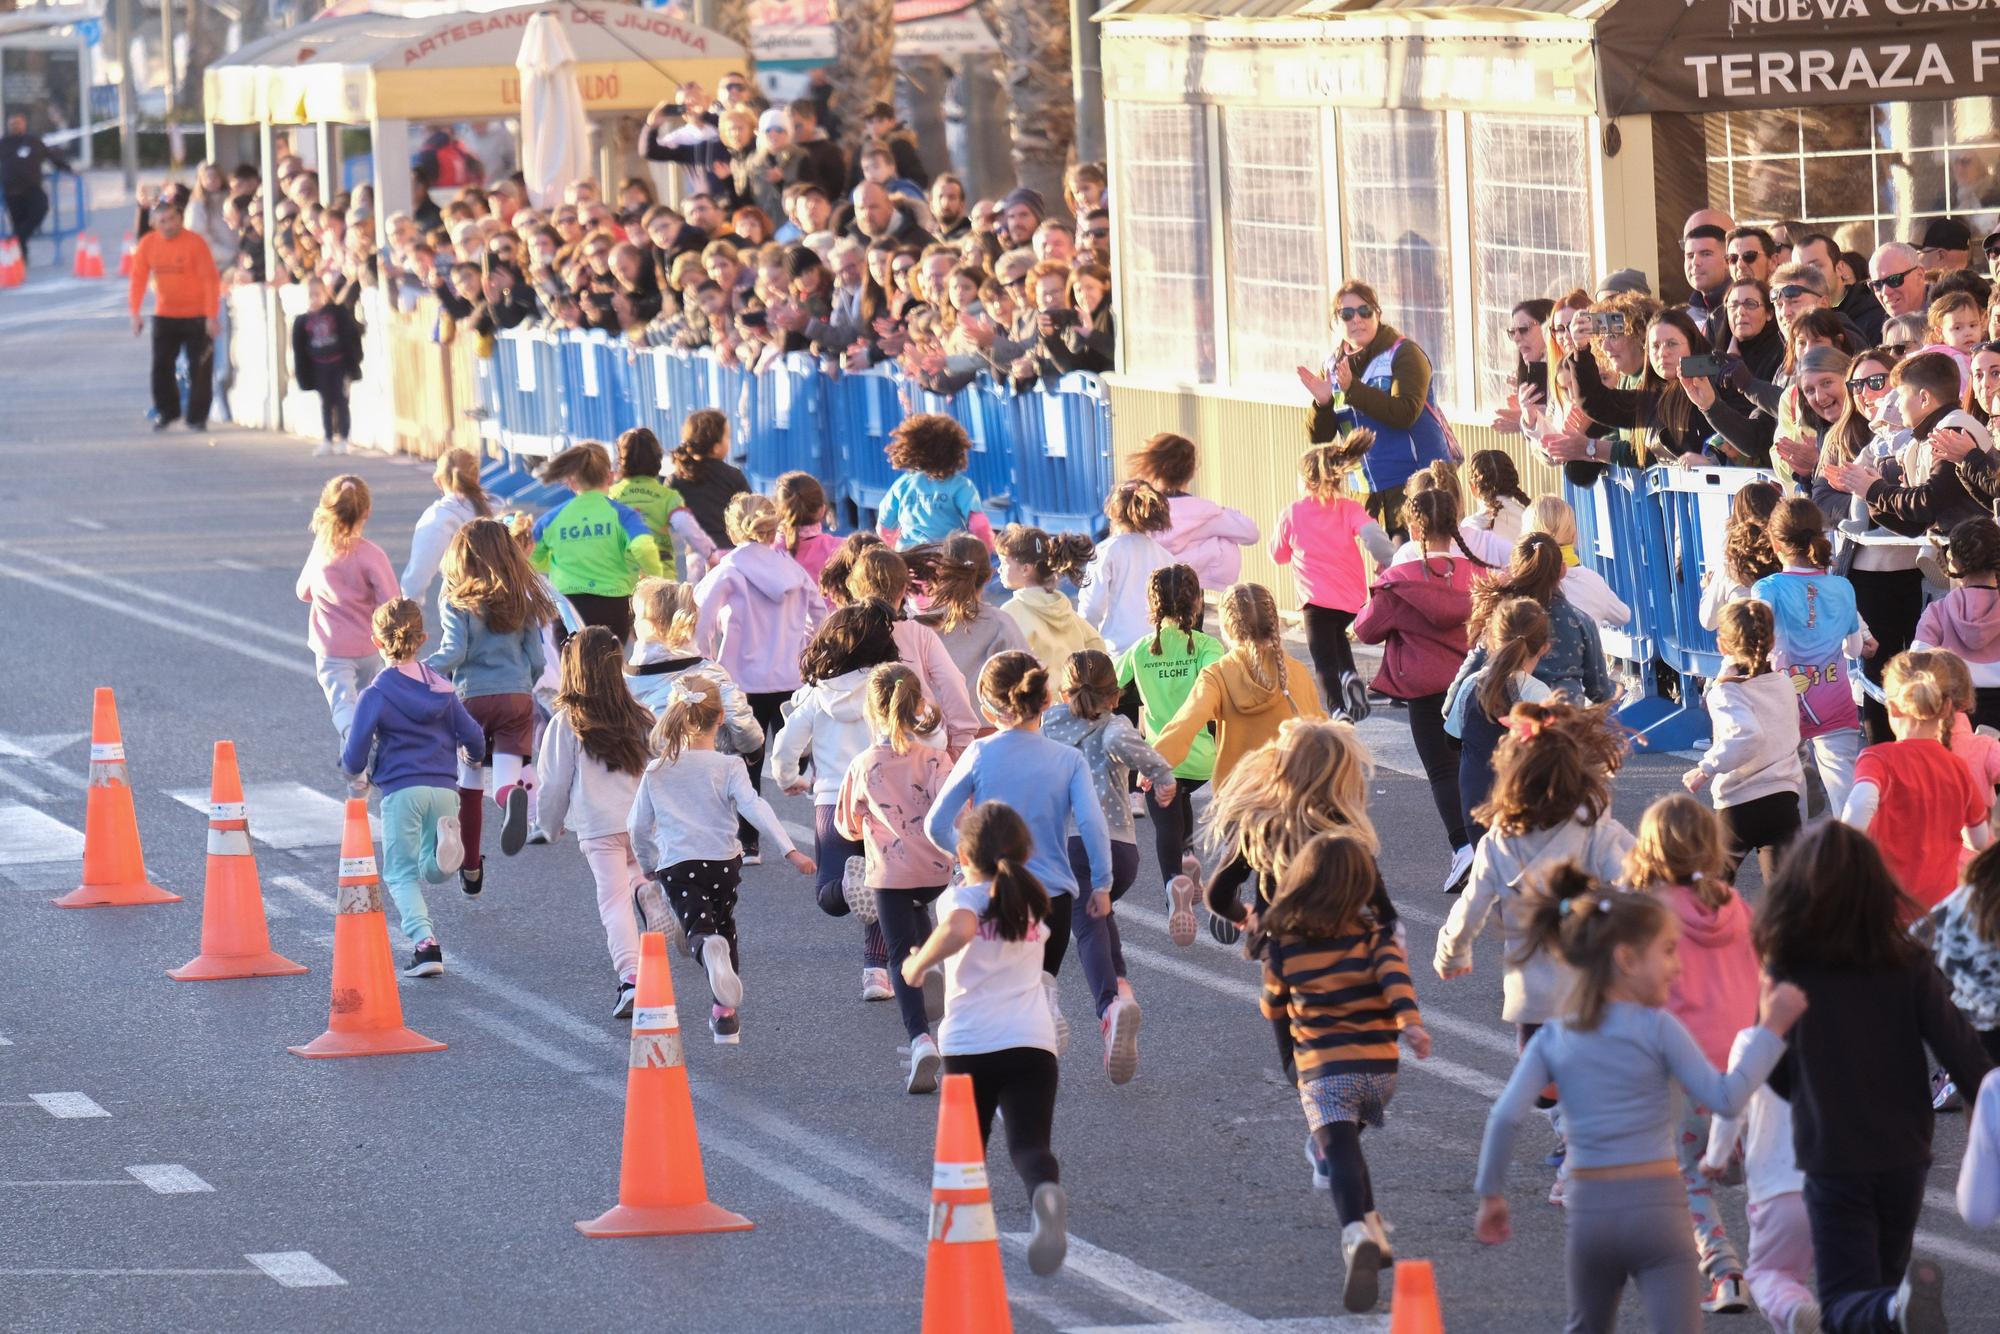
<point x="206" y="1179"/>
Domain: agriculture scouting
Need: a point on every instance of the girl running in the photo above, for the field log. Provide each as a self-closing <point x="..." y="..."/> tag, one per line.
<point x="494" y="611"/>
<point x="592" y="548"/>
<point x="1680" y="859"/>
<point x="683" y="825"/>
<point x="1337" y="989"/>
<point x="1964" y="934"/>
<point x="1032" y="562"/>
<point x="882" y="574"/>
<point x="1514" y="642"/>
<point x="1620" y="1056"/>
<point x="1249" y="694"/>
<point x="1979" y="751"/>
<point x="1746" y="551"/>
<point x="1321" y="530"/>
<point x="973" y="630"/>
<point x="345" y="580"/>
<point x="1966" y="621"/>
<point x="1496" y="484"/>
<point x="463" y="500"/>
<point x="1087" y="721"/>
<point x="412" y="724"/>
<point x="1049" y="786"/>
<point x="932" y="498"/>
<point x="594" y="751"/>
<point x="1780" y="1268"/>
<point x="639" y="487"/>
<point x="1752" y="765"/>
<point x="705" y="478"/>
<point x="1113" y="592"/>
<point x="664" y="615"/>
<point x="827" y="728"/>
<point x="1832" y="923"/>
<point x="1202" y="534"/>
<point x="992" y="936"/>
<point x="1584" y="588"/>
<point x="802" y="511"/>
<point x="884" y="795"/>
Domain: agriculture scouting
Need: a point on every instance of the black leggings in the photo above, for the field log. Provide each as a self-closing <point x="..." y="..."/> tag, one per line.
<point x="767" y="706"/>
<point x="1768" y="823"/>
<point x="1020" y="1081"/>
<point x="1326" y="644"/>
<point x="1124" y="870"/>
<point x="906" y="922"/>
<point x="1890" y="602"/>
<point x="1353" y="1189"/>
<point x="1173" y="826"/>
<point x="614" y="614"/>
<point x="334" y="418"/>
<point x="1438" y="750"/>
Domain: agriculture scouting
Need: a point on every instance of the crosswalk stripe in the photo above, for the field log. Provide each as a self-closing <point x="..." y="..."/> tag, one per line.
<point x="288" y="816"/>
<point x="28" y="837"/>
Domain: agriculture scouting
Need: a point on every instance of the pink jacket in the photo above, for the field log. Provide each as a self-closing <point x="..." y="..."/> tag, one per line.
<point x="1716" y="996"/>
<point x="924" y="653"/>
<point x="816" y="547"/>
<point x="1982" y="756"/>
<point x="882" y="803"/>
<point x="344" y="592"/>
<point x="1418" y="613"/>
<point x="1317" y="539"/>
<point x="758" y="607"/>
<point x="1210" y="538"/>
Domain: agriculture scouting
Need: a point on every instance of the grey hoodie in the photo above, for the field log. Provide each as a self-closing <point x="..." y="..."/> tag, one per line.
<point x="973" y="642"/>
<point x="650" y="676"/>
<point x="1756" y="747"/>
<point x="758" y="608"/>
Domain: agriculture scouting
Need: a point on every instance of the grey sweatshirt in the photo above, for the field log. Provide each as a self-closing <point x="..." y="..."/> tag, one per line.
<point x="1111" y="749"/>
<point x="686" y="811"/>
<point x="1756" y="747"/>
<point x="575" y="789"/>
<point x="971" y="644"/>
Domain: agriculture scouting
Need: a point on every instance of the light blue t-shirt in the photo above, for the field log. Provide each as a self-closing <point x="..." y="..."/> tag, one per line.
<point x="1814" y="615"/>
<point x="922" y="509"/>
<point x="1047" y="784"/>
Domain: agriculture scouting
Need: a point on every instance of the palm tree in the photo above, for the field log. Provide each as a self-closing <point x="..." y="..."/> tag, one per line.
<point x="1034" y="43"/>
<point x="864" y="69"/>
<point x="731" y="18"/>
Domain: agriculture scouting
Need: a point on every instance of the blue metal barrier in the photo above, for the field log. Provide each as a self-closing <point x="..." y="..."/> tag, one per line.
<point x="866" y="411"/>
<point x="1062" y="448"/>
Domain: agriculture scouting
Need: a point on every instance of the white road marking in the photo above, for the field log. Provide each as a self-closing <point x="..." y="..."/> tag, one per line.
<point x="67" y="1106"/>
<point x="290" y="816"/>
<point x="27" y="836"/>
<point x="517" y="1036"/>
<point x="40" y="746"/>
<point x="131" y="1273"/>
<point x="1958" y="1252"/>
<point x="6" y="1041"/>
<point x="1311" y="1324"/>
<point x="240" y="566"/>
<point x="15" y="783"/>
<point x="92" y="525"/>
<point x="296" y="1269"/>
<point x="169" y="1179"/>
<point x="64" y="1185"/>
<point x="130" y="590"/>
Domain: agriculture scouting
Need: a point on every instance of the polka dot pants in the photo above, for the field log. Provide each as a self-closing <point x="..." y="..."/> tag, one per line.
<point x="703" y="896"/>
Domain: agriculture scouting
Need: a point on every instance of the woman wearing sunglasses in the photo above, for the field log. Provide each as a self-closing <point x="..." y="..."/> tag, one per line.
<point x="1380" y="380"/>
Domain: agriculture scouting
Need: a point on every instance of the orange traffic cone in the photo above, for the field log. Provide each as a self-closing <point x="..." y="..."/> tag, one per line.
<point x="13" y="270"/>
<point x="114" y="870"/>
<point x="1416" y="1304"/>
<point x="661" y="1189"/>
<point x="125" y="257"/>
<point x="367" y="1016"/>
<point x="89" y="257"/>
<point x="964" y="1292"/>
<point x="235" y="941"/>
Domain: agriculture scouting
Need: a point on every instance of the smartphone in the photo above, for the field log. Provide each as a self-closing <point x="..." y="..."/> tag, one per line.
<point x="753" y="319"/>
<point x="1062" y="319"/>
<point x="1614" y="323"/>
<point x="976" y="309"/>
<point x="1694" y="368"/>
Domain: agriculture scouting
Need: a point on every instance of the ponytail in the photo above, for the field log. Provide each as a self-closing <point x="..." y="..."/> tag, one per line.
<point x="1583" y="923"/>
<point x="994" y="842"/>
<point x="1518" y="630"/>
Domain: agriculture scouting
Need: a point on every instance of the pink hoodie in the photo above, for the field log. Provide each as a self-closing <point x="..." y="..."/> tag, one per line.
<point x="1982" y="757"/>
<point x="758" y="607"/>
<point x="1965" y="621"/>
<point x="922" y="650"/>
<point x="883" y="800"/>
<point x="816" y="547"/>
<point x="344" y="592"/>
<point x="1317" y="539"/>
<point x="1717" y="994"/>
<point x="1210" y="538"/>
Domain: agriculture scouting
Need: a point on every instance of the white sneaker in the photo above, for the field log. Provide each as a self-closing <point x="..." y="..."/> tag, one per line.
<point x="1805" y="1318"/>
<point x="1919" y="1301"/>
<point x="450" y="848"/>
<point x="854" y="890"/>
<point x="924" y="1063"/>
<point x="322" y="449"/>
<point x="723" y="982"/>
<point x="1056" y="1014"/>
<point x="875" y="985"/>
<point x="1364" y="1267"/>
<point x="340" y="446"/>
<point x="1048" y="1242"/>
<point x="1181" y="923"/>
<point x="1461" y="870"/>
<point x="1121" y="1040"/>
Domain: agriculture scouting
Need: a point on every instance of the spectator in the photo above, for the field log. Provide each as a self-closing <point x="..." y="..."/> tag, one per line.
<point x="1020" y="213"/>
<point x="878" y="216"/>
<point x="1084" y="187"/>
<point x="1749" y="252"/>
<point x="948" y="215"/>
<point x="1707" y="270"/>
<point x="1944" y="245"/>
<point x="1093" y="239"/>
<point x="886" y="132"/>
<point x="773" y="165"/>
<point x="820" y="161"/>
<point x="1054" y="242"/>
<point x="1896" y="277"/>
<point x="1658" y="410"/>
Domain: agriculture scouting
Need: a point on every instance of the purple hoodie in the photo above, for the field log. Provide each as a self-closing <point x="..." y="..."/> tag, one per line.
<point x="758" y="608"/>
<point x="415" y="728"/>
<point x="1209" y="537"/>
<point x="1965" y="621"/>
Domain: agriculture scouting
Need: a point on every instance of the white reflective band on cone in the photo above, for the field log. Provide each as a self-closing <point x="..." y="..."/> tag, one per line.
<point x="954" y="1224"/>
<point x="353" y="867"/>
<point x="229" y="843"/>
<point x="655" y="1051"/>
<point x="958" y="1176"/>
<point x="225" y="810"/>
<point x="358" y="898"/>
<point x="105" y="752"/>
<point x="655" y="1017"/>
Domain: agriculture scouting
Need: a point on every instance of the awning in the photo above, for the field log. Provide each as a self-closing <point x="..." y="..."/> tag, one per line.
<point x="356" y="68"/>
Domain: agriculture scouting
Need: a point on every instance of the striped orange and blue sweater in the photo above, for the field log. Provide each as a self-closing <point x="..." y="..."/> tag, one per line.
<point x="1347" y="999"/>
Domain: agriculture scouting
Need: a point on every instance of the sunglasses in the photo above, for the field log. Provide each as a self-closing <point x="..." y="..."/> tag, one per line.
<point x="1900" y="349"/>
<point x="1356" y="312"/>
<point x="1993" y="252"/>
<point x="1746" y="257"/>
<point x="1750" y="304"/>
<point x="1874" y="384"/>
<point x="1521" y="330"/>
<point x="1891" y="279"/>
<point x="1790" y="292"/>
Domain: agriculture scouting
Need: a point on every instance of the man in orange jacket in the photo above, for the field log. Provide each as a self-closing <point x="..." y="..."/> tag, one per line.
<point x="186" y="289"/>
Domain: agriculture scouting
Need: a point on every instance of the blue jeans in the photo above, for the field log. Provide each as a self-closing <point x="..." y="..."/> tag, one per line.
<point x="410" y="818"/>
<point x="1124" y="870"/>
<point x="905" y="918"/>
<point x="831" y="852"/>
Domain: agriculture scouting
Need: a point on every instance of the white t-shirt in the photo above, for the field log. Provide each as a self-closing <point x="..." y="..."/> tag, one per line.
<point x="993" y="987"/>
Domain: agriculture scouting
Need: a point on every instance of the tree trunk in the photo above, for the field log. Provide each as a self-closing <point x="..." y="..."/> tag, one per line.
<point x="864" y="68"/>
<point x="732" y="19"/>
<point x="1041" y="106"/>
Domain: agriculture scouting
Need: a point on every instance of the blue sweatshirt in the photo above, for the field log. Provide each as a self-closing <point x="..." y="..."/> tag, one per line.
<point x="415" y="729"/>
<point x="1047" y="784"/>
<point x="480" y="662"/>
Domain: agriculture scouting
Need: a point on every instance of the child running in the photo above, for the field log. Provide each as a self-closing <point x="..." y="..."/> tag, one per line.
<point x="933" y="498"/>
<point x="1049" y="786"/>
<point x="1966" y="621"/>
<point x="462" y="501"/>
<point x="802" y="512"/>
<point x="1679" y="858"/>
<point x="1032" y="562"/>
<point x="1979" y="751"/>
<point x="883" y="798"/>
<point x="345" y="580"/>
<point x="1514" y="638"/>
<point x="1113" y="592"/>
<point x="1496" y="484"/>
<point x="1249" y="694"/>
<point x="1619" y="1057"/>
<point x="1337" y="988"/>
<point x="1752" y="764"/>
<point x="494" y="611"/>
<point x="1087" y="720"/>
<point x="1818" y="630"/>
<point x="594" y="751"/>
<point x="683" y="825"/>
<point x="707" y="481"/>
<point x="973" y="629"/>
<point x="1780" y="1268"/>
<point x="1964" y="934"/>
<point x="664" y="616"/>
<point x="639" y="487"/>
<point x="592" y="548"/>
<point x="991" y="937"/>
<point x="410" y="720"/>
<point x="1202" y="534"/>
<point x="1320" y="531"/>
<point x="1584" y="588"/>
<point x="881" y="573"/>
<point x="1832" y="923"/>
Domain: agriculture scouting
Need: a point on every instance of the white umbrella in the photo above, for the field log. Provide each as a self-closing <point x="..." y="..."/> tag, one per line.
<point x="555" y="133"/>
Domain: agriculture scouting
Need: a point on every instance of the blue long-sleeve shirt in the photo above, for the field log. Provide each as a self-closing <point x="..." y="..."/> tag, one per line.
<point x="481" y="661"/>
<point x="1047" y="784"/>
<point x="415" y="728"/>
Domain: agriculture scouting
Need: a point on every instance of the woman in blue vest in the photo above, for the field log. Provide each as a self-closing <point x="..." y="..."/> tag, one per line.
<point x="1381" y="380"/>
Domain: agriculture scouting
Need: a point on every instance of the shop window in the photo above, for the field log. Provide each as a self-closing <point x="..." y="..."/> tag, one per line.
<point x="1275" y="231"/>
<point x="1531" y="217"/>
<point x="1866" y="174"/>
<point x="1166" y="310"/>
<point x="1396" y="216"/>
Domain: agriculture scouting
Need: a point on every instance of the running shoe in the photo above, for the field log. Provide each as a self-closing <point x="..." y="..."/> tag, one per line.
<point x="450" y="848"/>
<point x="320" y="450"/>
<point x="1726" y="1296"/>
<point x="1557" y="1155"/>
<point x="1461" y="870"/>
<point x="1944" y="1094"/>
<point x="1805" y="1318"/>
<point x="1224" y="930"/>
<point x="472" y="879"/>
<point x="627" y="993"/>
<point x="875" y="985"/>
<point x="723" y="983"/>
<point x="1556" y="1192"/>
<point x="1322" y="1170"/>
<point x="724" y="1026"/>
<point x="1354" y="703"/>
<point x="753" y="856"/>
<point x="1381" y="1227"/>
<point x="1930" y="560"/>
<point x="1049" y="994"/>
<point x="1048" y="1242"/>
<point x="514" y="832"/>
<point x="1121" y="1040"/>
<point x="924" y="1063"/>
<point x="934" y="995"/>
<point x="426" y="960"/>
<point x="1359" y="1249"/>
<point x="1919" y="1302"/>
<point x="854" y="889"/>
<point x="538" y="839"/>
<point x="1181" y="923"/>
